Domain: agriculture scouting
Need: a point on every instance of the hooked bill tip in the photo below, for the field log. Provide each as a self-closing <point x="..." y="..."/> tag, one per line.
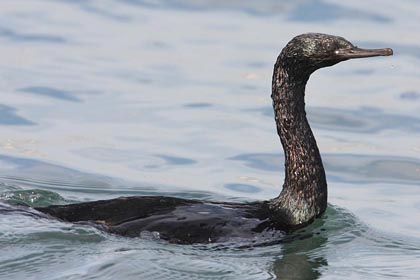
<point x="389" y="51"/>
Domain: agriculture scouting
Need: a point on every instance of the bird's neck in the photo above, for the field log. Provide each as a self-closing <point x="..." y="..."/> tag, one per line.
<point x="304" y="194"/>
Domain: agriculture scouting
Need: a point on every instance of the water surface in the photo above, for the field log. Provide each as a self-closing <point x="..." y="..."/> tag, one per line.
<point x="101" y="99"/>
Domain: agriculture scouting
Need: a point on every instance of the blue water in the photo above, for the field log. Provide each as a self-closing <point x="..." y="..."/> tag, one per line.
<point x="101" y="99"/>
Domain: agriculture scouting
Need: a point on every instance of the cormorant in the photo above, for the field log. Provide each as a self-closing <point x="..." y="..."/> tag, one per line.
<point x="304" y="194"/>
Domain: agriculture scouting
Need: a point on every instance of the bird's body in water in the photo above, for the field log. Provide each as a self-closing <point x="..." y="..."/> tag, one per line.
<point x="304" y="193"/>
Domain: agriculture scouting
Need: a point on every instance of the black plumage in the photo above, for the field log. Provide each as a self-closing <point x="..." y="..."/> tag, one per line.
<point x="304" y="193"/>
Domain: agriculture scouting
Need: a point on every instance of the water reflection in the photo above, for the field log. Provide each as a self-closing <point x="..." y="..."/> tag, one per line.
<point x="298" y="264"/>
<point x="363" y="168"/>
<point x="410" y="95"/>
<point x="134" y="158"/>
<point x="173" y="160"/>
<point x="247" y="6"/>
<point x="323" y="11"/>
<point x="348" y="168"/>
<point x="303" y="10"/>
<point x="51" y="92"/>
<point x="198" y="105"/>
<point x="365" y="120"/>
<point x="306" y="257"/>
<point x="168" y="66"/>
<point x="243" y="188"/>
<point x="9" y="117"/>
<point x="299" y="259"/>
<point x="28" y="37"/>
<point x="45" y="183"/>
<point x="360" y="120"/>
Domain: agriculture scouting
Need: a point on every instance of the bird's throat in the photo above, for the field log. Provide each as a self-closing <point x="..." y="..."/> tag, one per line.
<point x="304" y="194"/>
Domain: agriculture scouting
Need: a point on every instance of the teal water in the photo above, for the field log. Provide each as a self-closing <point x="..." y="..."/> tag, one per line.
<point x="101" y="99"/>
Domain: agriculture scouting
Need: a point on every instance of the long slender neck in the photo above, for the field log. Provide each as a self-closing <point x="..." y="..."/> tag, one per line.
<point x="304" y="194"/>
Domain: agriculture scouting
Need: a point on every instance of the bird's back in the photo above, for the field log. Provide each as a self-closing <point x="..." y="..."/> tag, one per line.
<point x="173" y="219"/>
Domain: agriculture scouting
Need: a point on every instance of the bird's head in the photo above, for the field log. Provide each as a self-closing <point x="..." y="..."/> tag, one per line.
<point x="311" y="51"/>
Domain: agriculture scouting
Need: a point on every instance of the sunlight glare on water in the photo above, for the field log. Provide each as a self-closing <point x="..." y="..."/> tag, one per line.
<point x="101" y="99"/>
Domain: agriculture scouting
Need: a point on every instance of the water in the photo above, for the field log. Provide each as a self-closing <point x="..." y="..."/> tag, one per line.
<point x="101" y="99"/>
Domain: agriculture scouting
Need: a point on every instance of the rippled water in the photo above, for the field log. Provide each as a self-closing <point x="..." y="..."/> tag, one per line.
<point x="101" y="99"/>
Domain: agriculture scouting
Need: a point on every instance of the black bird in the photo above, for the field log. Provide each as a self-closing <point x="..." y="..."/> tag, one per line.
<point x="304" y="194"/>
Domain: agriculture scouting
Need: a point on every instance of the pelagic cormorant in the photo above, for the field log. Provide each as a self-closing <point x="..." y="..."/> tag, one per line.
<point x="304" y="194"/>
